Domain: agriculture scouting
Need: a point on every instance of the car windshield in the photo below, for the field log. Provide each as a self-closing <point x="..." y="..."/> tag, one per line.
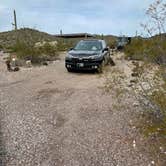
<point x="89" y="46"/>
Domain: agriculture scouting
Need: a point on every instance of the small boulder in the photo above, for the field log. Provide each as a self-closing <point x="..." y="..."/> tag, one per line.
<point x="135" y="74"/>
<point x="136" y="104"/>
<point x="45" y="63"/>
<point x="133" y="81"/>
<point x="28" y="63"/>
<point x="16" y="69"/>
<point x="146" y="86"/>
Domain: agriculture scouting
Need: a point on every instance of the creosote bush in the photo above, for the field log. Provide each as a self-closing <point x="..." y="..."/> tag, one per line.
<point x="150" y="50"/>
<point x="64" y="45"/>
<point x="153" y="47"/>
<point x="37" y="55"/>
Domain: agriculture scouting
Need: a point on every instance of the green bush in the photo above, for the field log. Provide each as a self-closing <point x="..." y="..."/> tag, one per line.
<point x="26" y="51"/>
<point x="135" y="49"/>
<point x="65" y="44"/>
<point x="151" y="50"/>
<point x="112" y="43"/>
<point x="47" y="49"/>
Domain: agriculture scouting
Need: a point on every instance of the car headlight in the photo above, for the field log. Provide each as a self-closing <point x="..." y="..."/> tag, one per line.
<point x="95" y="56"/>
<point x="69" y="56"/>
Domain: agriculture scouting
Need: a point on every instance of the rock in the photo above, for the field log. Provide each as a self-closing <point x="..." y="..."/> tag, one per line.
<point x="129" y="58"/>
<point x="135" y="74"/>
<point x="45" y="63"/>
<point x="28" y="63"/>
<point x="135" y="63"/>
<point x="1" y="53"/>
<point x="56" y="61"/>
<point x="152" y="162"/>
<point x="16" y="69"/>
<point x="135" y="104"/>
<point x="133" y="81"/>
<point x="130" y="85"/>
<point x="134" y="144"/>
<point x="146" y="85"/>
<point x="42" y="44"/>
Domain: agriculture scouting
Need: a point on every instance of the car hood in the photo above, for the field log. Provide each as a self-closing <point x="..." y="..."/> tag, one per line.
<point x="83" y="53"/>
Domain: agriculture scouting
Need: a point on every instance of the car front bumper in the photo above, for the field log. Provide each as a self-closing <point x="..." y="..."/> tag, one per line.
<point x="84" y="64"/>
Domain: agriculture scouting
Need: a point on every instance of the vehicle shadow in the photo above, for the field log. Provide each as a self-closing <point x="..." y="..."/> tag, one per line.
<point x="84" y="72"/>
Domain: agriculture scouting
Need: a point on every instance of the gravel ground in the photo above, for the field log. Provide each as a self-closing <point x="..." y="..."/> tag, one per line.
<point x="50" y="117"/>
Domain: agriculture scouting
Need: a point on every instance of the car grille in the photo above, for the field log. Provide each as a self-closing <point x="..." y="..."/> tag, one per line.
<point x="77" y="60"/>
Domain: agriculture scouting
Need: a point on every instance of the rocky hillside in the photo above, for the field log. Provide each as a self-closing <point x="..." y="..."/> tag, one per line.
<point x="8" y="39"/>
<point x="27" y="35"/>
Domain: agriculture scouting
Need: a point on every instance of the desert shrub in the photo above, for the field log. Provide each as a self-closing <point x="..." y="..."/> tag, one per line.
<point x="151" y="95"/>
<point x="157" y="50"/>
<point x="61" y="46"/>
<point x="159" y="95"/>
<point x="64" y="45"/>
<point x="48" y="49"/>
<point x="26" y="51"/>
<point x="135" y="49"/>
<point x="111" y="44"/>
<point x="151" y="50"/>
<point x="22" y="49"/>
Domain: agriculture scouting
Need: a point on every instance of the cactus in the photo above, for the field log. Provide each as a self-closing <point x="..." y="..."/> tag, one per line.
<point x="15" y="21"/>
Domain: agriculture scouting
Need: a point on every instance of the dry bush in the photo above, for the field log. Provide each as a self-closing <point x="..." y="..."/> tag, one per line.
<point x="152" y="47"/>
<point x="150" y="88"/>
<point x="25" y="51"/>
<point x="150" y="50"/>
<point x="150" y="91"/>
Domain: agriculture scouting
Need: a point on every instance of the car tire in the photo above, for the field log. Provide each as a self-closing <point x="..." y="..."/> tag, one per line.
<point x="69" y="70"/>
<point x="100" y="69"/>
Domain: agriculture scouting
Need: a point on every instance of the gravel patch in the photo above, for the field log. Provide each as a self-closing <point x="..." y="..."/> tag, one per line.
<point x="51" y="117"/>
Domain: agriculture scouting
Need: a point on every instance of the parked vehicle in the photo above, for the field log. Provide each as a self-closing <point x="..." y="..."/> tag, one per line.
<point x="122" y="42"/>
<point x="88" y="55"/>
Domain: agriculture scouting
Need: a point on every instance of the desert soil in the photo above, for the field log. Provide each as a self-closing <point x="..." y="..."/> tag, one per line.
<point x="50" y="117"/>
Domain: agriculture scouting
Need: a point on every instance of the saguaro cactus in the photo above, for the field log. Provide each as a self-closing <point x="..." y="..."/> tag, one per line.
<point x="15" y="20"/>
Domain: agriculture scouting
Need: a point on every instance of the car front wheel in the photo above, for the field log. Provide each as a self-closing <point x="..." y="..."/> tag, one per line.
<point x="69" y="70"/>
<point x="101" y="67"/>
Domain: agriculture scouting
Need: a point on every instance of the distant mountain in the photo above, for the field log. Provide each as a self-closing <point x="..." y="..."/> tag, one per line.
<point x="8" y="39"/>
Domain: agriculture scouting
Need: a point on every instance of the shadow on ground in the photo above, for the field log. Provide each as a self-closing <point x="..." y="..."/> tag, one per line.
<point x="84" y="71"/>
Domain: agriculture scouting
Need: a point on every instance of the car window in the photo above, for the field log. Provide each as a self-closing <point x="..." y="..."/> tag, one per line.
<point x="89" y="45"/>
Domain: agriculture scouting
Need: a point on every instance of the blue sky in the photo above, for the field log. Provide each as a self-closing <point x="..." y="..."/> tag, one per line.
<point x="72" y="16"/>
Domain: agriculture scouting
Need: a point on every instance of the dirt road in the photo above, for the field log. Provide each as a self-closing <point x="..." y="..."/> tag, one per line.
<point x="50" y="117"/>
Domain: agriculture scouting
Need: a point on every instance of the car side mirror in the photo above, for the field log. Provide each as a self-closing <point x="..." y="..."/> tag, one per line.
<point x="106" y="49"/>
<point x="71" y="49"/>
